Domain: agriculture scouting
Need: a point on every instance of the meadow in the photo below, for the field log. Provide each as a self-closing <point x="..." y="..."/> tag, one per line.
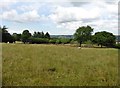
<point x="58" y="65"/>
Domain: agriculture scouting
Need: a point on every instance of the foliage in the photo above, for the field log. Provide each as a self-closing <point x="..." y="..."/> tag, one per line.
<point x="47" y="35"/>
<point x="17" y="37"/>
<point x="38" y="40"/>
<point x="73" y="41"/>
<point x="117" y="46"/>
<point x="38" y="35"/>
<point x="41" y="35"/>
<point x="25" y="36"/>
<point x="104" y="38"/>
<point x="6" y="36"/>
<point x="52" y="41"/>
<point x="88" y="43"/>
<point x="65" y="40"/>
<point x="58" y="41"/>
<point x="83" y="34"/>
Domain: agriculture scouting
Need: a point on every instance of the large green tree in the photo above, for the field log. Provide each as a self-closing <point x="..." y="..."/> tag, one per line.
<point x="25" y="36"/>
<point x="5" y="35"/>
<point x="83" y="34"/>
<point x="104" y="38"/>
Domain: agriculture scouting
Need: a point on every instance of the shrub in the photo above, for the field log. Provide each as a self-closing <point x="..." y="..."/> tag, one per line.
<point x="52" y="41"/>
<point x="11" y="39"/>
<point x="117" y="46"/>
<point x="73" y="41"/>
<point x="58" y="41"/>
<point x="38" y="40"/>
<point x="65" y="40"/>
<point x="88" y="42"/>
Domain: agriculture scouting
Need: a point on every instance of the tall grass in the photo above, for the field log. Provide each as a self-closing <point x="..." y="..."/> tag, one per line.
<point x="55" y="65"/>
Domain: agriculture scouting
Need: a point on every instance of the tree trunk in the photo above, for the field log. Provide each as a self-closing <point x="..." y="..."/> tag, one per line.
<point x="101" y="45"/>
<point x="80" y="44"/>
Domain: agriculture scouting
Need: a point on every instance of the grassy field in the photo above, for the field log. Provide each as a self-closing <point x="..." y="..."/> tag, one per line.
<point x="58" y="65"/>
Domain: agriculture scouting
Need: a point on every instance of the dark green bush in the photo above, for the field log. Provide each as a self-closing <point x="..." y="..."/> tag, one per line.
<point x="65" y="40"/>
<point x="58" y="41"/>
<point x="117" y="46"/>
<point x="88" y="42"/>
<point x="73" y="41"/>
<point x="52" y="41"/>
<point x="38" y="40"/>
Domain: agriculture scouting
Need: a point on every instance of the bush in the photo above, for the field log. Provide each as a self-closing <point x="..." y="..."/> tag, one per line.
<point x="117" y="46"/>
<point x="58" y="41"/>
<point x="73" y="41"/>
<point x="11" y="39"/>
<point x="52" y="41"/>
<point x="65" y="40"/>
<point x="38" y="40"/>
<point x="88" y="42"/>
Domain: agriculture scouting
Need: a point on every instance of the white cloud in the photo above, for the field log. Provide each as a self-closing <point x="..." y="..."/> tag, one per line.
<point x="67" y="14"/>
<point x="11" y="15"/>
<point x="70" y="25"/>
<point x="31" y="6"/>
<point x="112" y="8"/>
<point x="5" y="4"/>
<point x="109" y="7"/>
<point x="30" y="16"/>
<point x="102" y="15"/>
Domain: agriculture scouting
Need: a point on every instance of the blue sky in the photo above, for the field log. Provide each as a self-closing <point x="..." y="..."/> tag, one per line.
<point x="58" y="16"/>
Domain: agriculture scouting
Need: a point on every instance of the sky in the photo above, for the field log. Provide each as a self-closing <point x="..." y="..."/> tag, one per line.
<point x="59" y="17"/>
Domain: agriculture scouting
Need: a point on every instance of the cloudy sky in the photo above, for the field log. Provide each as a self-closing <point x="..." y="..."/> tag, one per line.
<point x="59" y="16"/>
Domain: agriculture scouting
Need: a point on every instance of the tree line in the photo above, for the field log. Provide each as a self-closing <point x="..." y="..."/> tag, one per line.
<point x="27" y="37"/>
<point x="82" y="35"/>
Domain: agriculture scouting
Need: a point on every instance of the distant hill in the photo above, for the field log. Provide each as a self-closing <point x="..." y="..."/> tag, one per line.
<point x="62" y="36"/>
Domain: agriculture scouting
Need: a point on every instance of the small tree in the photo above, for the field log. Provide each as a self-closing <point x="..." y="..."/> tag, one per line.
<point x="42" y="34"/>
<point x="83" y="34"/>
<point x="16" y="36"/>
<point x="25" y="36"/>
<point x="47" y="35"/>
<point x="104" y="38"/>
<point x="37" y="35"/>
